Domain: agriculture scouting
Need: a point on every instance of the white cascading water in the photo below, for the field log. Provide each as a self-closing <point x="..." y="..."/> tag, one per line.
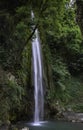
<point x="38" y="80"/>
<point x="71" y="2"/>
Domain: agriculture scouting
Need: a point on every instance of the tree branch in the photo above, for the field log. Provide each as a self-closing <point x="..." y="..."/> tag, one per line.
<point x="29" y="38"/>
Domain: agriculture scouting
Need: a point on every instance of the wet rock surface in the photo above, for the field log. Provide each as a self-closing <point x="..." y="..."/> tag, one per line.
<point x="73" y="117"/>
<point x="4" y="127"/>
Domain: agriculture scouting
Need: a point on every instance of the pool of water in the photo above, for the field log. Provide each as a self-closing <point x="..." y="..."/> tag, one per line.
<point x="51" y="125"/>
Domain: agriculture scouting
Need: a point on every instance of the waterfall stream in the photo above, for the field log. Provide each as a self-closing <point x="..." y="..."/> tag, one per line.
<point x="37" y="74"/>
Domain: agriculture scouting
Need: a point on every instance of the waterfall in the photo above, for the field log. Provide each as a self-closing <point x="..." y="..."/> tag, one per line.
<point x="37" y="74"/>
<point x="71" y="2"/>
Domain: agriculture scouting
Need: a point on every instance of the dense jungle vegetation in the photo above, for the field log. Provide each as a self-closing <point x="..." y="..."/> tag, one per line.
<point x="60" y="27"/>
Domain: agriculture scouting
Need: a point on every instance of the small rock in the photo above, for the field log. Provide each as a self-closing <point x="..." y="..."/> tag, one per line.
<point x="25" y="128"/>
<point x="73" y="121"/>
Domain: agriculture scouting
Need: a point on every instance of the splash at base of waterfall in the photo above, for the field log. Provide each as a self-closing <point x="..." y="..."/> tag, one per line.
<point x="40" y="123"/>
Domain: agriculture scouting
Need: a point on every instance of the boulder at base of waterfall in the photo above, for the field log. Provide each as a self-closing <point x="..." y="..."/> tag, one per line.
<point x="25" y="128"/>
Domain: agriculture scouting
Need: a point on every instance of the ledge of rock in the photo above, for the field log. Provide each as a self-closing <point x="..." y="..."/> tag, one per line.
<point x="73" y="117"/>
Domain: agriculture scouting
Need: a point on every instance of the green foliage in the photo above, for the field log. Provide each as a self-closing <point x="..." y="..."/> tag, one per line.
<point x="78" y="108"/>
<point x="75" y="92"/>
<point x="25" y="72"/>
<point x="15" y="92"/>
<point x="10" y="98"/>
<point x="62" y="54"/>
<point x="64" y="40"/>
